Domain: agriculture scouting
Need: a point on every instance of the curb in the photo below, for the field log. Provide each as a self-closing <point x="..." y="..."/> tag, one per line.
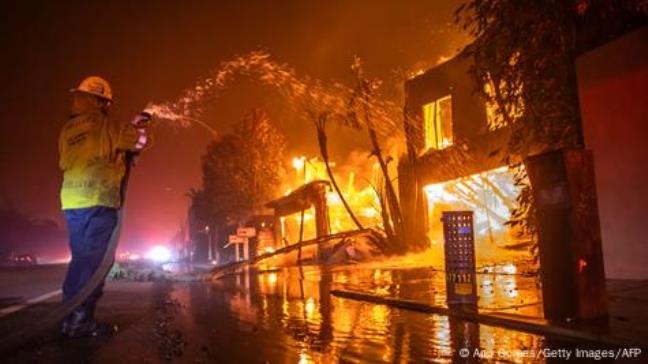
<point x="526" y="326"/>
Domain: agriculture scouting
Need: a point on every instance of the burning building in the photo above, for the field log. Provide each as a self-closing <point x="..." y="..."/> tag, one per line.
<point x="312" y="212"/>
<point x="458" y="158"/>
<point x="456" y="153"/>
<point x="457" y="149"/>
<point x="311" y="208"/>
<point x="302" y="214"/>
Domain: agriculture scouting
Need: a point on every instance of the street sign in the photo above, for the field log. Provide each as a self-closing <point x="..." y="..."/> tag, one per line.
<point x="235" y="239"/>
<point x="246" y="232"/>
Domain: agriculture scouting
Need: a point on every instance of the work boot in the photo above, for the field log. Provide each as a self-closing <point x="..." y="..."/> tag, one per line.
<point x="80" y="323"/>
<point x="74" y="319"/>
<point x="92" y="329"/>
<point x="65" y="327"/>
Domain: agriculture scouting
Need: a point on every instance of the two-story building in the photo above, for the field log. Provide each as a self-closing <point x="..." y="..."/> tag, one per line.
<point x="458" y="158"/>
<point x="456" y="152"/>
<point x="456" y="161"/>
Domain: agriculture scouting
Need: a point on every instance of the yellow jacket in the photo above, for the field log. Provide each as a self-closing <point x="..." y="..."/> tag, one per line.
<point x="91" y="156"/>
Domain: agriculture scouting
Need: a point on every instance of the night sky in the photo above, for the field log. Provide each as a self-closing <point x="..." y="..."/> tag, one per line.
<point x="152" y="50"/>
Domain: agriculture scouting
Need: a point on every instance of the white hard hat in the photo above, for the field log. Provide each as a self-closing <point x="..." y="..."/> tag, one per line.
<point x="95" y="85"/>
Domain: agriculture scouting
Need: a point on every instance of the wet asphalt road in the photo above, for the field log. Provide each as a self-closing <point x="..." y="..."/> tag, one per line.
<point x="18" y="284"/>
<point x="282" y="316"/>
<point x="279" y="316"/>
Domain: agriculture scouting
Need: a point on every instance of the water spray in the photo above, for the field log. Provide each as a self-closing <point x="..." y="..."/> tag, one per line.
<point x="305" y="94"/>
<point x="165" y="112"/>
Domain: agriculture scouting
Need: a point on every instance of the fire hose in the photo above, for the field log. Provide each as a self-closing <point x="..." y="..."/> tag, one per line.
<point x="53" y="318"/>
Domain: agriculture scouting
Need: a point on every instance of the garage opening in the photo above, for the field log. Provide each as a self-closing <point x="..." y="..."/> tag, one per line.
<point x="492" y="196"/>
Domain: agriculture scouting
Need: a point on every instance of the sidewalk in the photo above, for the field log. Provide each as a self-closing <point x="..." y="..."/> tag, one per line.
<point x="628" y="306"/>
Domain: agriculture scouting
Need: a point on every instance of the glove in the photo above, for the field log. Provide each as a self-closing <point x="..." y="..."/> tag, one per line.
<point x="128" y="138"/>
<point x="141" y="123"/>
<point x="142" y="139"/>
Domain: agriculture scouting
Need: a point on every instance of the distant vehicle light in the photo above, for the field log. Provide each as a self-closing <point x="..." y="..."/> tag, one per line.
<point x="159" y="254"/>
<point x="25" y="260"/>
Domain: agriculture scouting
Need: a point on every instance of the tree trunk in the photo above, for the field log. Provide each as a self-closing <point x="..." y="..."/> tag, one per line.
<point x="392" y="199"/>
<point x="384" y="213"/>
<point x="321" y="138"/>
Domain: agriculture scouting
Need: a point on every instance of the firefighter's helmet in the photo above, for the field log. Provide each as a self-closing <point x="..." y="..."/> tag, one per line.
<point x="95" y="85"/>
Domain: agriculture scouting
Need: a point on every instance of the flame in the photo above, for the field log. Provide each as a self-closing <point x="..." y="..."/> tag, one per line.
<point x="355" y="186"/>
<point x="299" y="163"/>
<point x="492" y="196"/>
<point x="272" y="278"/>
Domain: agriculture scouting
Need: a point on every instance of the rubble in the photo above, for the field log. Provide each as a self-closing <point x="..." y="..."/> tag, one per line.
<point x="147" y="272"/>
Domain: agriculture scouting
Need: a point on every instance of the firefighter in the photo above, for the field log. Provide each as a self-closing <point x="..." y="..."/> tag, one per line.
<point x="92" y="152"/>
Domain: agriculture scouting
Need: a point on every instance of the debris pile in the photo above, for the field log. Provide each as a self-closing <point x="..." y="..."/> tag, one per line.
<point x="145" y="272"/>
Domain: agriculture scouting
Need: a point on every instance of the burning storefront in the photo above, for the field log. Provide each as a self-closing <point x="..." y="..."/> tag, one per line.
<point x="455" y="161"/>
<point x="460" y="159"/>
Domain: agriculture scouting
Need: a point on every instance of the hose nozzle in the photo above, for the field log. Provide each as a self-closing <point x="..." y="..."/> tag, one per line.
<point x="143" y="119"/>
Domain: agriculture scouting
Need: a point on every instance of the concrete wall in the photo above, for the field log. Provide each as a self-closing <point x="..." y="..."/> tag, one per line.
<point x="613" y="88"/>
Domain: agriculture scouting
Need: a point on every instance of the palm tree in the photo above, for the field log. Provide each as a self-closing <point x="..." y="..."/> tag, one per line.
<point x="320" y="120"/>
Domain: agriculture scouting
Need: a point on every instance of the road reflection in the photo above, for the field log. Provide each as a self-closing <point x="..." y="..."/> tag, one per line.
<point x="296" y="304"/>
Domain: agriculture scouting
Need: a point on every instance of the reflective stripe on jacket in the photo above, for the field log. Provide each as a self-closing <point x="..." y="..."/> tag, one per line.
<point x="91" y="156"/>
